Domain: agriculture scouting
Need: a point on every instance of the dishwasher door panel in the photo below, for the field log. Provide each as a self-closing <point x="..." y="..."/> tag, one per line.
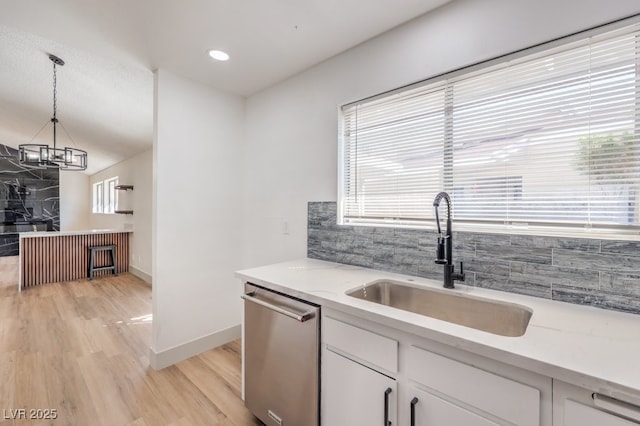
<point x="281" y="360"/>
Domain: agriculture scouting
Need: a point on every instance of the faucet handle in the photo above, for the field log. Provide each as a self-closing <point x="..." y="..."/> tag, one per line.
<point x="461" y="275"/>
<point x="440" y="256"/>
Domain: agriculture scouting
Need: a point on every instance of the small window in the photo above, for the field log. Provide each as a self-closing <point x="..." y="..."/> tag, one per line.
<point x="105" y="196"/>
<point x="110" y="195"/>
<point x="98" y="195"/>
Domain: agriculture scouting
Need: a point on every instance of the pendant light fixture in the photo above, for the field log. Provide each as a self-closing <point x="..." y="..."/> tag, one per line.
<point x="45" y="156"/>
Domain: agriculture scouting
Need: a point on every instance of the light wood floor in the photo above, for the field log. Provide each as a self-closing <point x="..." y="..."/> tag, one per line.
<point x="82" y="347"/>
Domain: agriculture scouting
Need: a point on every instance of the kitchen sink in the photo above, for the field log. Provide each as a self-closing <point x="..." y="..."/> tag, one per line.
<point x="492" y="316"/>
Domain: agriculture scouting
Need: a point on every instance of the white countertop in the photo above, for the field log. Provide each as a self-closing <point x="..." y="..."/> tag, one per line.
<point x="60" y="233"/>
<point x="589" y="347"/>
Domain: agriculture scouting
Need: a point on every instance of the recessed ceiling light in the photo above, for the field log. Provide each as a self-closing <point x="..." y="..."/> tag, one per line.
<point x="218" y="55"/>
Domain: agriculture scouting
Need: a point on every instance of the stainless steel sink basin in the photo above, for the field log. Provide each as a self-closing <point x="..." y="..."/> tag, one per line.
<point x="492" y="316"/>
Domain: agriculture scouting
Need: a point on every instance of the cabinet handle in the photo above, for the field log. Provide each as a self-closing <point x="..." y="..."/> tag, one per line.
<point x="414" y="401"/>
<point x="387" y="422"/>
<point x="618" y="407"/>
<point x="250" y="297"/>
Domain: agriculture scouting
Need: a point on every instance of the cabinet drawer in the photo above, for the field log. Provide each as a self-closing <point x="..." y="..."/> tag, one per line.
<point x="362" y="344"/>
<point x="501" y="397"/>
<point x="576" y="414"/>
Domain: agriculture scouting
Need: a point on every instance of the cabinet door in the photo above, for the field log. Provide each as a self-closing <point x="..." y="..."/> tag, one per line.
<point x="576" y="406"/>
<point x="576" y="414"/>
<point x="355" y="395"/>
<point x="430" y="410"/>
<point x="487" y="392"/>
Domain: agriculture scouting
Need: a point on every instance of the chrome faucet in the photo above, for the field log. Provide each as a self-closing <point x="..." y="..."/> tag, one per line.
<point x="444" y="252"/>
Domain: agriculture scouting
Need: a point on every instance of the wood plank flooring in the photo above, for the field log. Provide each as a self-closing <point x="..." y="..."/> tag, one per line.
<point x="81" y="348"/>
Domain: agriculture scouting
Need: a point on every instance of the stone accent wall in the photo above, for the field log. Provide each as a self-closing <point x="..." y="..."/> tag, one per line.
<point x="601" y="273"/>
<point x="29" y="200"/>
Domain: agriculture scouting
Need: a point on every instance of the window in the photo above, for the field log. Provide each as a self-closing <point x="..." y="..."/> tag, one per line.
<point x="98" y="195"/>
<point x="105" y="196"/>
<point x="545" y="138"/>
<point x="110" y="195"/>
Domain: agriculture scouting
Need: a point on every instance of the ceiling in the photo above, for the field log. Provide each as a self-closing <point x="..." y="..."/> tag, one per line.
<point x="105" y="89"/>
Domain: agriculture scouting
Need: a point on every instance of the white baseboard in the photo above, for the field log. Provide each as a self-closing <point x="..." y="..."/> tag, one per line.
<point x="140" y="274"/>
<point x="160" y="360"/>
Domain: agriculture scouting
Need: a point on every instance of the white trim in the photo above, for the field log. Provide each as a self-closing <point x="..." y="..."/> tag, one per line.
<point x="140" y="274"/>
<point x="160" y="360"/>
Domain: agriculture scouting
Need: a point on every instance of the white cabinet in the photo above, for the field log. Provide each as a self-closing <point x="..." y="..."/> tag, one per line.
<point x="360" y="344"/>
<point x="358" y="388"/>
<point x="574" y="406"/>
<point x="427" y="383"/>
<point x="576" y="414"/>
<point x="355" y="395"/>
<point x="487" y="394"/>
<point x="426" y="409"/>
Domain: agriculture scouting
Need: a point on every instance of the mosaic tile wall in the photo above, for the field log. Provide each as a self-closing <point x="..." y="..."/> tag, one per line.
<point x="601" y="273"/>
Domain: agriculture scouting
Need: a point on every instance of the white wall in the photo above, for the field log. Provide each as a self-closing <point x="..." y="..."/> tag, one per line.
<point x="75" y="201"/>
<point x="290" y="149"/>
<point x="136" y="171"/>
<point x="275" y="152"/>
<point x="197" y="170"/>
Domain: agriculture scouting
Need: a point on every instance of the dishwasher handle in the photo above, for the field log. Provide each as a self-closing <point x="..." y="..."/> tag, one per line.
<point x="250" y="297"/>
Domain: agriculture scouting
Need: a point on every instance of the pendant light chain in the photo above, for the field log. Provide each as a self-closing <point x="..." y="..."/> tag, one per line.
<point x="55" y="91"/>
<point x="55" y="104"/>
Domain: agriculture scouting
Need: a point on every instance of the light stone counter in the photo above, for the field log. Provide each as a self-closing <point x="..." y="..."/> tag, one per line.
<point x="63" y="233"/>
<point x="588" y="347"/>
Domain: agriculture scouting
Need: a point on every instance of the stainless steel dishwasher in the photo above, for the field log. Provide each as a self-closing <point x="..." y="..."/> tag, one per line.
<point x="281" y="356"/>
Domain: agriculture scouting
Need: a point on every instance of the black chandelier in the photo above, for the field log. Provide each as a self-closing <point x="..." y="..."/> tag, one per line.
<point x="46" y="157"/>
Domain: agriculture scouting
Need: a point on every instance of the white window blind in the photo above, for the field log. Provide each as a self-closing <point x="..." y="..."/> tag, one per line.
<point x="394" y="150"/>
<point x="548" y="138"/>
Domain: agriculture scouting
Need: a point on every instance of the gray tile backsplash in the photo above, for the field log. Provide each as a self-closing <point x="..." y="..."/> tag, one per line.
<point x="601" y="273"/>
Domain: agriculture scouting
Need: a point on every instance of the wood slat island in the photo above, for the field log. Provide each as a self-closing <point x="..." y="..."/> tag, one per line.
<point x="47" y="257"/>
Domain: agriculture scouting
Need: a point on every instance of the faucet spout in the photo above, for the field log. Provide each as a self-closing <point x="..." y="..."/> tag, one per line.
<point x="444" y="252"/>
